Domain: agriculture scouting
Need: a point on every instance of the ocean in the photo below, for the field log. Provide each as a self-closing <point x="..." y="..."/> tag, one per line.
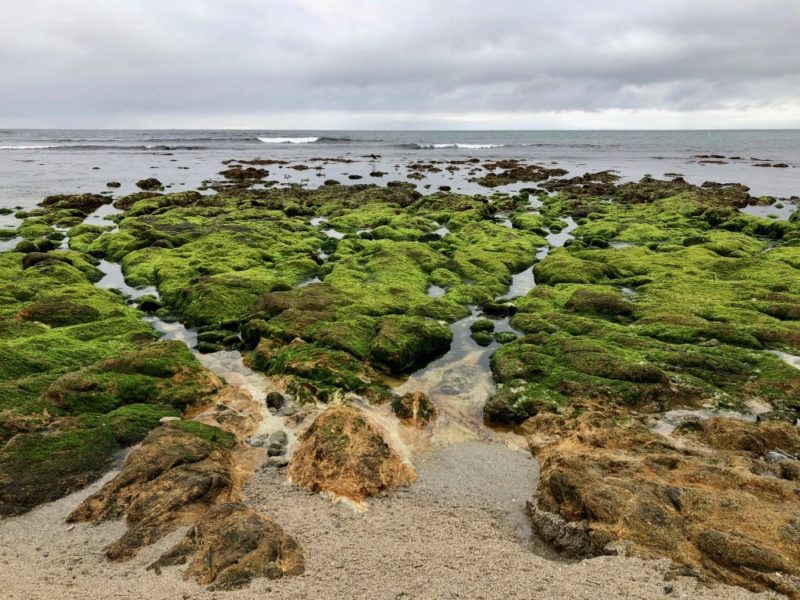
<point x="37" y="163"/>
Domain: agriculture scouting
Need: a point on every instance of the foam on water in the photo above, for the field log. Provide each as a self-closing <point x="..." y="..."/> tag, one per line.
<point x="288" y="140"/>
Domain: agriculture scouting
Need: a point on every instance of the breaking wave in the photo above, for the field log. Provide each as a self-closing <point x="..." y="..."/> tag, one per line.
<point x="454" y="145"/>
<point x="288" y="140"/>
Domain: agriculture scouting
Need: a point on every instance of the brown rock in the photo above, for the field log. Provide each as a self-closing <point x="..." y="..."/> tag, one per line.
<point x="708" y="502"/>
<point x="172" y="476"/>
<point x="344" y="454"/>
<point x="231" y="545"/>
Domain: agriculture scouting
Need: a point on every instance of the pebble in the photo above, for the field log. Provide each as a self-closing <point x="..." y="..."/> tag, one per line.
<point x="288" y="411"/>
<point x="276" y="450"/>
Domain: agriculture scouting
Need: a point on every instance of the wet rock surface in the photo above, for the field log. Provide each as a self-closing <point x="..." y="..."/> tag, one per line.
<point x="414" y="408"/>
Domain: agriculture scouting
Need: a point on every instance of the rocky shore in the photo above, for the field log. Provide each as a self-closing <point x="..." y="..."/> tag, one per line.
<point x="416" y="356"/>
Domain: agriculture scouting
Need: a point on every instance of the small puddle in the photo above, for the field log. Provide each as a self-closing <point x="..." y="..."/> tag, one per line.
<point x="557" y="240"/>
<point x="113" y="279"/>
<point x="332" y="233"/>
<point x="100" y="217"/>
<point x="10" y="244"/>
<point x="434" y="291"/>
<point x="502" y="219"/>
<point x="780" y="210"/>
<point x="629" y="293"/>
<point x="458" y="383"/>
<point x="522" y="283"/>
<point x="670" y="420"/>
<point x="303" y="284"/>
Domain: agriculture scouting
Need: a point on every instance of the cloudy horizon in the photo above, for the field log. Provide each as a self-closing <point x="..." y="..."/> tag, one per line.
<point x="355" y="64"/>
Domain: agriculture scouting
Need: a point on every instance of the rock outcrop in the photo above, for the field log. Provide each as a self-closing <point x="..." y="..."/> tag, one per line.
<point x="704" y="497"/>
<point x="180" y="470"/>
<point x="343" y="454"/>
<point x="231" y="545"/>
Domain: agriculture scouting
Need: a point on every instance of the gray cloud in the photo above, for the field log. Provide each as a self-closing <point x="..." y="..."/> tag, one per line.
<point x="393" y="63"/>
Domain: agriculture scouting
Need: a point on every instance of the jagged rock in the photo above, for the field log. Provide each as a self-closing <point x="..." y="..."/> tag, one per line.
<point x="231" y="545"/>
<point x="180" y="469"/>
<point x="721" y="514"/>
<point x="344" y="454"/>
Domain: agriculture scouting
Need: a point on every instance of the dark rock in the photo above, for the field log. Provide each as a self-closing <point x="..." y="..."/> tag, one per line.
<point x="276" y="450"/>
<point x="149" y="304"/>
<point x="499" y="309"/>
<point x="113" y="184"/>
<point x="277" y="462"/>
<point x="274" y="400"/>
<point x="149" y="184"/>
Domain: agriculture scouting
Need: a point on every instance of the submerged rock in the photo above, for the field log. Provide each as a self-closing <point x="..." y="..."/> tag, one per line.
<point x="415" y="409"/>
<point x="342" y="453"/>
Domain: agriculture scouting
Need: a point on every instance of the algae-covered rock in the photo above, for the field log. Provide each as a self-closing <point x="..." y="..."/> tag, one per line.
<point x="404" y="341"/>
<point x="159" y="373"/>
<point x="414" y="408"/>
<point x="231" y="545"/>
<point x="180" y="469"/>
<point x="149" y="184"/>
<point x="344" y="454"/>
<point x="41" y="467"/>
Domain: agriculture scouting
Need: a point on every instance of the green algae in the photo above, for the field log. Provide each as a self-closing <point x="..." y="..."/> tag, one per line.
<point x="667" y="296"/>
<point x="81" y="377"/>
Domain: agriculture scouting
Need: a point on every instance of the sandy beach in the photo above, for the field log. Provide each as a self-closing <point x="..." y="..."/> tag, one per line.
<point x="459" y="532"/>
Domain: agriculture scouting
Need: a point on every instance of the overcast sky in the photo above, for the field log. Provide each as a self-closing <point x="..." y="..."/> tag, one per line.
<point x="526" y="64"/>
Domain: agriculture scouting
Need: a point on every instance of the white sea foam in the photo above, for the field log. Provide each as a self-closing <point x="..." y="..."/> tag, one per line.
<point x="288" y="140"/>
<point x="462" y="146"/>
<point x="26" y="147"/>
